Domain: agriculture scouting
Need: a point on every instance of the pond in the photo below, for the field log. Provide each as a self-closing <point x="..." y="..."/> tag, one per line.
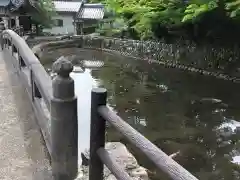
<point x="195" y="116"/>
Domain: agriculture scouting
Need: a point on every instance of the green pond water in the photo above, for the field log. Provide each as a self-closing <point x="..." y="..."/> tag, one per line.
<point x="196" y="116"/>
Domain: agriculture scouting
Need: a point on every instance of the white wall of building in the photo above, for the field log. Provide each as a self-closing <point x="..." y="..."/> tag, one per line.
<point x="67" y="28"/>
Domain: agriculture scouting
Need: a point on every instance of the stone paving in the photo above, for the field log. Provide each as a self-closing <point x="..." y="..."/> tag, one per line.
<point x="22" y="153"/>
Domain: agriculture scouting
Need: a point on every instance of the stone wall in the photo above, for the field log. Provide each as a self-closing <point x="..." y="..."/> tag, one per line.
<point x="217" y="61"/>
<point x="223" y="63"/>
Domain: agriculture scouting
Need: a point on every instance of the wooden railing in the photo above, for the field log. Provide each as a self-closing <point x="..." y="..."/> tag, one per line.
<point x="53" y="101"/>
<point x="55" y="106"/>
<point x="100" y="113"/>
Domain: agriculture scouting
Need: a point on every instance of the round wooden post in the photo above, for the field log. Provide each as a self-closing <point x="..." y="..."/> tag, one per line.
<point x="64" y="126"/>
<point x="2" y="41"/>
<point x="97" y="133"/>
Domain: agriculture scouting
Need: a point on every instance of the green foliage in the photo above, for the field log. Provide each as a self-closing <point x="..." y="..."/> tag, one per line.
<point x="233" y="7"/>
<point x="195" y="10"/>
<point x="144" y="15"/>
<point x="46" y="11"/>
<point x="112" y="27"/>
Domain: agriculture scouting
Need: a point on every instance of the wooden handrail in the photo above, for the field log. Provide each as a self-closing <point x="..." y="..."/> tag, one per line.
<point x="101" y="113"/>
<point x="41" y="77"/>
<point x="59" y="96"/>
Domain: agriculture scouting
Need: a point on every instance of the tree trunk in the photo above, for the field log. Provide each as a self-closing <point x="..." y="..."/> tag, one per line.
<point x="37" y="29"/>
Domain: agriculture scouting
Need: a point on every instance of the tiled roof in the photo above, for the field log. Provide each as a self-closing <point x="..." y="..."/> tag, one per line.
<point x="67" y="6"/>
<point x="4" y="2"/>
<point x="17" y="3"/>
<point x="91" y="11"/>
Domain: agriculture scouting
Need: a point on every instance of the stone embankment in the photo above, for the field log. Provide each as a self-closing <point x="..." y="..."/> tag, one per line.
<point x="222" y="63"/>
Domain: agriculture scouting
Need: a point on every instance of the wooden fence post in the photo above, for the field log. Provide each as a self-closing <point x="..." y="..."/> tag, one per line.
<point x="97" y="133"/>
<point x="2" y="41"/>
<point x="64" y="126"/>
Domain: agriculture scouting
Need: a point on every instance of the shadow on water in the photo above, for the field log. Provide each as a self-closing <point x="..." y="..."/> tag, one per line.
<point x="194" y="115"/>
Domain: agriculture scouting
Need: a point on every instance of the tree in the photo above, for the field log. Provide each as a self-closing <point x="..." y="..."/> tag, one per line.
<point x="44" y="14"/>
<point x="194" y="19"/>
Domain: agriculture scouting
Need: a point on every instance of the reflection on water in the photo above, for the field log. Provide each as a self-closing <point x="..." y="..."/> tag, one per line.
<point x="83" y="85"/>
<point x="178" y="111"/>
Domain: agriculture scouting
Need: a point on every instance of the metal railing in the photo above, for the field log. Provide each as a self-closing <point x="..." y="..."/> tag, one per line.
<point x="99" y="156"/>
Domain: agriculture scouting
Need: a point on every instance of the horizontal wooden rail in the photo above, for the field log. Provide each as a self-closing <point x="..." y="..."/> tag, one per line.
<point x="156" y="155"/>
<point x="31" y="62"/>
<point x="22" y="47"/>
<point x="111" y="164"/>
<point x="43" y="82"/>
<point x="101" y="113"/>
<point x="54" y="103"/>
